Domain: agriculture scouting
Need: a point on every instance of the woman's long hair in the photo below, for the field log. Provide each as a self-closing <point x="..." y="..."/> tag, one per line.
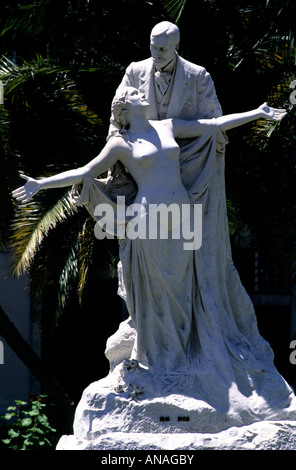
<point x="119" y="179"/>
<point x="119" y="122"/>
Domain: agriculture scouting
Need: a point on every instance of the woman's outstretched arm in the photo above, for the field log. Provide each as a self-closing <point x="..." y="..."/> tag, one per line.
<point x="264" y="111"/>
<point x="111" y="153"/>
<point x="183" y="129"/>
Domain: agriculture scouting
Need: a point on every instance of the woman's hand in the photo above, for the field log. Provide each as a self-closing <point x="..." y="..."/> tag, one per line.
<point x="26" y="192"/>
<point x="271" y="113"/>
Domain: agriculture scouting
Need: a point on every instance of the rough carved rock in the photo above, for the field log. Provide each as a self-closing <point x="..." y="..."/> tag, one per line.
<point x="264" y="435"/>
<point x="131" y="409"/>
<point x="119" y="346"/>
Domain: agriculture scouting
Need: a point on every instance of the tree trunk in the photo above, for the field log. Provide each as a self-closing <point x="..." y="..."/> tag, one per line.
<point x="49" y="384"/>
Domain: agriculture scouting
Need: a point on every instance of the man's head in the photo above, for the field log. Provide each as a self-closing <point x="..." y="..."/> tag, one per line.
<point x="164" y="41"/>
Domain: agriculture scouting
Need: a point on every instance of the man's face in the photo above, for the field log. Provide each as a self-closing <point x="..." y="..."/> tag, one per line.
<point x="162" y="50"/>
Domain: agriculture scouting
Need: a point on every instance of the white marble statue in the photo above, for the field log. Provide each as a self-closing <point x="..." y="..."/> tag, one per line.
<point x="174" y="87"/>
<point x="190" y="358"/>
<point x="193" y="319"/>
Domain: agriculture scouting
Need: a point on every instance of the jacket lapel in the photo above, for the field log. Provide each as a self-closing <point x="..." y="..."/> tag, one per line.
<point x="146" y="85"/>
<point x="180" y="91"/>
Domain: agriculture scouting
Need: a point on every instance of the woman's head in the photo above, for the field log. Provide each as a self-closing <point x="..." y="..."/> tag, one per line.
<point x="126" y="101"/>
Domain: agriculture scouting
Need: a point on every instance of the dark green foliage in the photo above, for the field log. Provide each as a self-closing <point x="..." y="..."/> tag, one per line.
<point x="25" y="426"/>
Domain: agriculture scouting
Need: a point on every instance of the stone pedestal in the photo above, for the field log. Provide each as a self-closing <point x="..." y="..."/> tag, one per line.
<point x="134" y="409"/>
<point x="264" y="435"/>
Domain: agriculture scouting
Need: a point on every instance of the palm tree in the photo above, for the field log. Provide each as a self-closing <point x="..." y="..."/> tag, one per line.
<point x="57" y="55"/>
<point x="33" y="222"/>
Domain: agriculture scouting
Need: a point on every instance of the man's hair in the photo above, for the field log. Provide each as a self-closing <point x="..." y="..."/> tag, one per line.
<point x="165" y="28"/>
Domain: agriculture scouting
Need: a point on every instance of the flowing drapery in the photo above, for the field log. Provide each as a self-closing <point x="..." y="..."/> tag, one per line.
<point x="193" y="318"/>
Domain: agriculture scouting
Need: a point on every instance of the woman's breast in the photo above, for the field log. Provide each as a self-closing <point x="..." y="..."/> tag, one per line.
<point x="146" y="153"/>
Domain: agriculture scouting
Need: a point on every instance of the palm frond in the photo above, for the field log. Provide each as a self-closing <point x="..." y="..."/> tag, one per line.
<point x="263" y="130"/>
<point x="14" y="75"/>
<point x="30" y="227"/>
<point x="29" y="18"/>
<point x="85" y="254"/>
<point x="53" y="272"/>
<point x="175" y="8"/>
<point x="97" y="259"/>
<point x="66" y="279"/>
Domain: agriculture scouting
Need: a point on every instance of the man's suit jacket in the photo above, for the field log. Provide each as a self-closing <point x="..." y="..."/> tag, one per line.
<point x="193" y="95"/>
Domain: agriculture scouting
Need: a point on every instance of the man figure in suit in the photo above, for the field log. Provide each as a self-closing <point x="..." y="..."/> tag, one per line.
<point x="174" y="87"/>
